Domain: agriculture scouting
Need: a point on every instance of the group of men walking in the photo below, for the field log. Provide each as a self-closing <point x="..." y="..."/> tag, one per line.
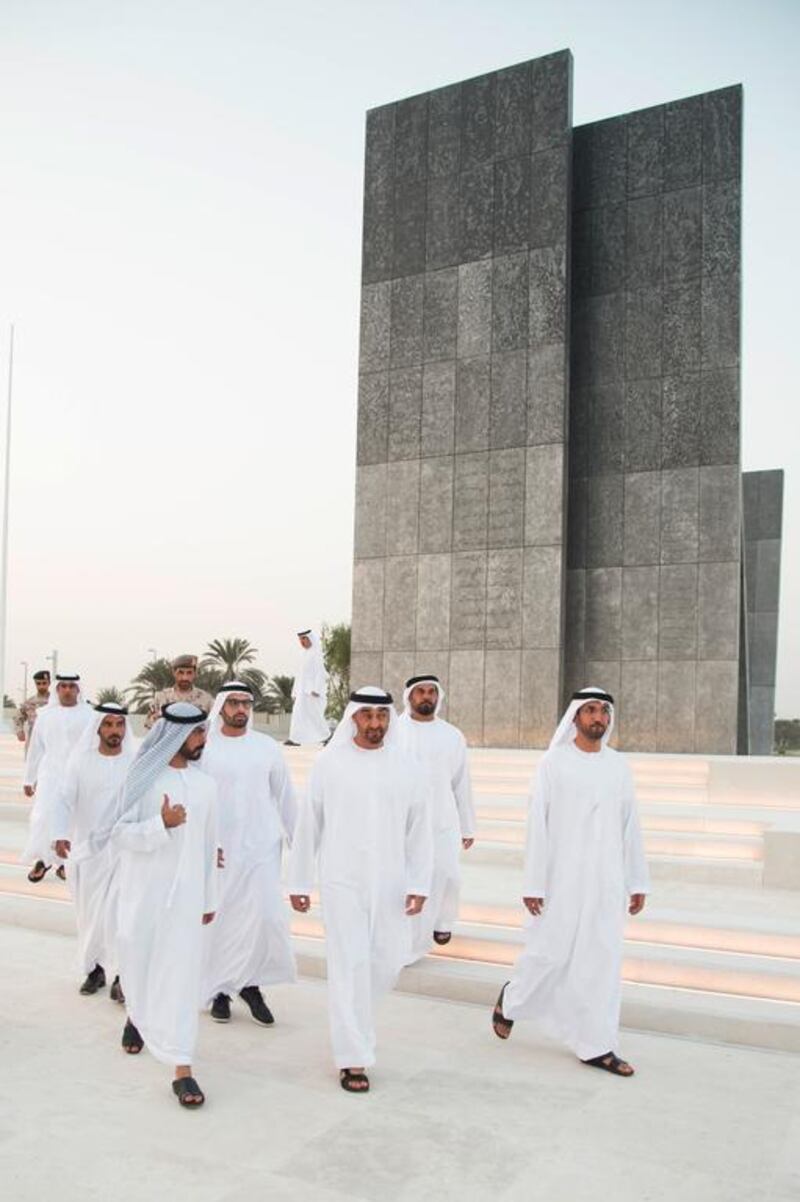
<point x="174" y="852"/>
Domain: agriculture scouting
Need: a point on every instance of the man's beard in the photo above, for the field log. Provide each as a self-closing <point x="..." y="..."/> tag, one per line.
<point x="112" y="742"/>
<point x="192" y="755"/>
<point x="425" y="708"/>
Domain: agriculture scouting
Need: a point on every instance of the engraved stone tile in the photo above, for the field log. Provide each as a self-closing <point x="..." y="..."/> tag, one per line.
<point x="642" y="426"/>
<point x="768" y="575"/>
<point x="575" y="619"/>
<point x="512" y="122"/>
<point x="433" y="602"/>
<point x="436" y="505"/>
<point x="603" y="613"/>
<point x="468" y="599"/>
<point x="474" y="309"/>
<point x="396" y="670"/>
<point x="721" y="224"/>
<point x="370" y="519"/>
<point x="680" y="421"/>
<point x="718" y="611"/>
<point x="716" y="705"/>
<point x="681" y="338"/>
<point x="377" y="246"/>
<point x="608" y="673"/>
<point x="549" y="196"/>
<point x="722" y="134"/>
<point x="444" y="131"/>
<point x="677" y="612"/>
<point x="373" y="417"/>
<point x="642" y="534"/>
<point x="465" y="694"/>
<point x="508" y="408"/>
<point x="604" y="521"/>
<point x="506" y="524"/>
<point x="442" y="238"/>
<point x="679" y="515"/>
<point x="410" y="203"/>
<point x="600" y="163"/>
<point x="379" y="153"/>
<point x="544" y="495"/>
<point x="402" y="507"/>
<point x="547" y="297"/>
<point x="719" y="513"/>
<point x="477" y="213"/>
<point x="643" y="333"/>
<point x="719" y="321"/>
<point x="604" y="329"/>
<point x="551" y="99"/>
<point x="368" y="605"/>
<point x="607" y="249"/>
<point x="512" y="201"/>
<point x="477" y="121"/>
<point x="683" y="235"/>
<point x="366" y="667"/>
<point x="510" y="302"/>
<point x="577" y="521"/>
<point x="400" y="603"/>
<point x="683" y="143"/>
<point x="645" y="152"/>
<point x="411" y="138"/>
<point x="438" y="408"/>
<point x="406" y="321"/>
<point x="504" y="598"/>
<point x="719" y="417"/>
<point x="440" y="314"/>
<point x="581" y="461"/>
<point x="470" y="501"/>
<point x="606" y="425"/>
<point x="676" y="702"/>
<point x="640" y="589"/>
<point x="539" y="697"/>
<point x="644" y="243"/>
<point x="501" y="698"/>
<point x="637" y="708"/>
<point x="375" y="315"/>
<point x="547" y="397"/>
<point x="405" y="410"/>
<point x="473" y="394"/>
<point x="541" y="600"/>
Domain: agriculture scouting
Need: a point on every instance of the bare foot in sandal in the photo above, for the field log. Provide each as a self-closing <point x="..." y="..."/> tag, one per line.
<point x="354" y="1080"/>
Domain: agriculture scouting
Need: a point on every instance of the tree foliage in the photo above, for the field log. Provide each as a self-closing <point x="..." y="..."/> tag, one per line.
<point x="153" y="677"/>
<point x="787" y="735"/>
<point x="279" y="695"/>
<point x="109" y="693"/>
<point x="336" y="653"/>
<point x="229" y="656"/>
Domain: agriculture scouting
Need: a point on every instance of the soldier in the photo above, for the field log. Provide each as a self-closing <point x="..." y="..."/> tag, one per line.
<point x="25" y="716"/>
<point x="184" y="670"/>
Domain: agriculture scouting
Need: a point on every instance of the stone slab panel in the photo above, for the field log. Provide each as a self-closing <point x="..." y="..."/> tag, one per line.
<point x="606" y="426"/>
<point x="716" y="707"/>
<point x="679" y="515"/>
<point x="680" y="344"/>
<point x="474" y="336"/>
<point x="371" y="504"/>
<point x="763" y="641"/>
<point x="470" y="501"/>
<point x="604" y="526"/>
<point x="366" y="668"/>
<point x="551" y="99"/>
<point x="468" y="600"/>
<point x="683" y="235"/>
<point x="640" y="592"/>
<point x="406" y="321"/>
<point x="547" y="296"/>
<point x="768" y="575"/>
<point x="440" y="315"/>
<point x="549" y="206"/>
<point x="644" y="320"/>
<point x="642" y="533"/>
<point x="719" y="417"/>
<point x="477" y="120"/>
<point x="372" y="442"/>
<point x="544" y="493"/>
<point x="368" y="583"/>
<point x="466" y="693"/>
<point x="442" y="233"/>
<point x="718" y="611"/>
<point x="542" y="598"/>
<point x="508" y="402"/>
<point x="433" y="602"/>
<point x="405" y="413"/>
<point x="444" y="131"/>
<point x="504" y="599"/>
<point x="641" y="441"/>
<point x="683" y="143"/>
<point x="575" y="618"/>
<point x="645" y="152"/>
<point x="376" y="308"/>
<point x="476" y="233"/>
<point x="501" y="709"/>
<point x="676" y="706"/>
<point x="512" y="202"/>
<point x="680" y="422"/>
<point x="644" y="249"/>
<point x="473" y="399"/>
<point x="677" y="612"/>
<point x="512" y="115"/>
<point x="761" y="706"/>
<point x="437" y="427"/>
<point x="402" y="507"/>
<point x="539" y="696"/>
<point x="509" y="302"/>
<point x="408" y="250"/>
<point x="547" y="395"/>
<point x="722" y="134"/>
<point x="436" y="505"/>
<point x="506" y="524"/>
<point x="637" y="710"/>
<point x="400" y="603"/>
<point x="603" y="614"/>
<point x="719" y="517"/>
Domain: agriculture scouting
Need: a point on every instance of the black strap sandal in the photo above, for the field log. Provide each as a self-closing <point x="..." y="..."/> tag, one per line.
<point x="442" y="937"/>
<point x="182" y="1087"/>
<point x="610" y="1063"/>
<point x="132" y="1041"/>
<point x="353" y="1082"/>
<point x="39" y="872"/>
<point x="61" y="872"/>
<point x="499" y="1019"/>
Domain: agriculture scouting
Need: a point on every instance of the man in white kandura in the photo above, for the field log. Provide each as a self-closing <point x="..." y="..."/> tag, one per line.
<point x="441" y="751"/>
<point x="584" y="861"/>
<point x="58" y="728"/>
<point x="86" y="803"/>
<point x="167" y="839"/>
<point x="366" y="819"/>
<point x="249" y="944"/>
<point x="309" y="691"/>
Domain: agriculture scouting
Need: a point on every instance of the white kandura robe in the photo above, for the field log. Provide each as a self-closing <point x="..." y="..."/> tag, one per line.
<point x="441" y="751"/>
<point x="58" y="729"/>
<point x="85" y="804"/>
<point x="249" y="942"/>
<point x="308" y="723"/>
<point x="167" y="882"/>
<point x="584" y="857"/>
<point x="366" y="818"/>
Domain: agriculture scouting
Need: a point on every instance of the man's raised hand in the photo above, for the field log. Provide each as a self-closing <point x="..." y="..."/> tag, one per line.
<point x="534" y="905"/>
<point x="300" y="902"/>
<point x="636" y="904"/>
<point x="172" y="815"/>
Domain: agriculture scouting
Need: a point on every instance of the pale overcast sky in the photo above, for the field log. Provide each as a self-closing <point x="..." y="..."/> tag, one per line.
<point x="180" y="216"/>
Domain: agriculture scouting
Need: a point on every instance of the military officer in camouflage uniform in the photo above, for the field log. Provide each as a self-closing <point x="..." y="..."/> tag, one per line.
<point x="25" y="716"/>
<point x="184" y="670"/>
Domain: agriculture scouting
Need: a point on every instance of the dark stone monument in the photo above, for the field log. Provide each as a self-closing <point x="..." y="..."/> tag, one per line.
<point x="763" y="521"/>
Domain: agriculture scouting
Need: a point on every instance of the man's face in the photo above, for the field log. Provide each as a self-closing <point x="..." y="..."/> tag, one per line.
<point x="592" y="719"/>
<point x="423" y="699"/>
<point x="67" y="692"/>
<point x="236" y="711"/>
<point x="305" y="641"/>
<point x="112" y="731"/>
<point x="184" y="678"/>
<point x="192" y="747"/>
<point x="42" y="688"/>
<point x="372" y="723"/>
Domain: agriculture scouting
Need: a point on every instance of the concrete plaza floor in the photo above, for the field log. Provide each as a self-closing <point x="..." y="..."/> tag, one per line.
<point x="453" y="1113"/>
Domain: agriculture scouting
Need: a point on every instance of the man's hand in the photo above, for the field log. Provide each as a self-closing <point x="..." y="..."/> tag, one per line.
<point x="172" y="815"/>
<point x="300" y="902"/>
<point x="467" y="843"/>
<point x="533" y="905"/>
<point x="315" y="694"/>
<point x="62" y="848"/>
<point x="21" y="736"/>
<point x="414" y="904"/>
<point x="29" y="790"/>
<point x="637" y="903"/>
<point x="207" y="918"/>
<point x="220" y="858"/>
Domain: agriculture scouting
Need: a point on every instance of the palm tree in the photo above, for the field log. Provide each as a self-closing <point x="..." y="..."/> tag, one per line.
<point x="336" y="652"/>
<point x="154" y="677"/>
<point x="230" y="655"/>
<point x="278" y="696"/>
<point x="109" y="693"/>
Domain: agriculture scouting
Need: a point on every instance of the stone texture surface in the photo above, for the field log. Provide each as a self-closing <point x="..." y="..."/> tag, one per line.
<point x="762" y="530"/>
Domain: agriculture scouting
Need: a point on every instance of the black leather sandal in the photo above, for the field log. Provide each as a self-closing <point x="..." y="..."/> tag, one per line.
<point x="132" y="1041"/>
<point x="353" y="1082"/>
<point x="610" y="1063"/>
<point x="182" y="1087"/>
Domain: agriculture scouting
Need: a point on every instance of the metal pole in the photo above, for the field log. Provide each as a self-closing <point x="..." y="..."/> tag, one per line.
<point x="24" y="663"/>
<point x="4" y="536"/>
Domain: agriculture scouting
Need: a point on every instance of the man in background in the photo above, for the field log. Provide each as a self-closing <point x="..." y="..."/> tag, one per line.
<point x="184" y="672"/>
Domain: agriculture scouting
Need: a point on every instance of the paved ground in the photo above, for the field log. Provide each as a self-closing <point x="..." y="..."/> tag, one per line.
<point x="454" y="1114"/>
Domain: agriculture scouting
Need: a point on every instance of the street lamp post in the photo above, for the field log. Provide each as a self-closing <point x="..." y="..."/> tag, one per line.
<point x="153" y="653"/>
<point x="4" y="539"/>
<point x="24" y="663"/>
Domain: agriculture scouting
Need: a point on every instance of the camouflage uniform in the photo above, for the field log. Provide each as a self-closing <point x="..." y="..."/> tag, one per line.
<point x="25" y="717"/>
<point x="167" y="696"/>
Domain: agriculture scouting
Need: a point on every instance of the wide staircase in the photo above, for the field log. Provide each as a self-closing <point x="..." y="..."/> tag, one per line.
<point x="715" y="955"/>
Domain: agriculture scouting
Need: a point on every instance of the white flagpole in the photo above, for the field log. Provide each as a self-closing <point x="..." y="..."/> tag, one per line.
<point x="4" y="540"/>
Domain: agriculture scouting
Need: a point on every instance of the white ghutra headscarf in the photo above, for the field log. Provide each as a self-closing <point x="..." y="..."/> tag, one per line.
<point x="366" y="698"/>
<point x="412" y="683"/>
<point x="231" y="688"/>
<point x="565" y="731"/>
